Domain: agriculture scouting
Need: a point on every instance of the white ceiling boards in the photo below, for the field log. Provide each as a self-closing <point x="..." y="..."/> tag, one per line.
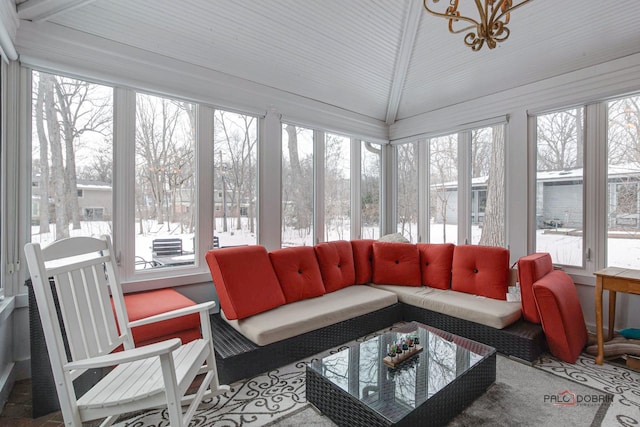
<point x="374" y="58"/>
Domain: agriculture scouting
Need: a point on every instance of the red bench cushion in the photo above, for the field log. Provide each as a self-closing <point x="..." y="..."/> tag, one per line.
<point x="561" y="315"/>
<point x="245" y="281"/>
<point x="363" y="260"/>
<point x="336" y="264"/>
<point x="144" y="304"/>
<point x="530" y="269"/>
<point x="396" y="264"/>
<point x="480" y="270"/>
<point x="435" y="264"/>
<point x="298" y="272"/>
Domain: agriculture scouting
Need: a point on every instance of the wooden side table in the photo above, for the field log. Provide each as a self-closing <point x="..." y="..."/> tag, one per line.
<point x="613" y="279"/>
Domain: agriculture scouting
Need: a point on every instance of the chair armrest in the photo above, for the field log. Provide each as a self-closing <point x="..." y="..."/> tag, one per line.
<point x="125" y="356"/>
<point x="205" y="306"/>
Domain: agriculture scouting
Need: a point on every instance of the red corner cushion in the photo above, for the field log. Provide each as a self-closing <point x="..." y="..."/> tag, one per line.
<point x="480" y="270"/>
<point x="245" y="281"/>
<point x="144" y="304"/>
<point x="396" y="264"/>
<point x="298" y="272"/>
<point x="363" y="260"/>
<point x="561" y="315"/>
<point x="531" y="268"/>
<point x="435" y="264"/>
<point x="336" y="264"/>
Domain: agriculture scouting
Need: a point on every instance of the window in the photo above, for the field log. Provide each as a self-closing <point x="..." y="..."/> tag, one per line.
<point x="443" y="191"/>
<point x="560" y="185"/>
<point x="370" y="189"/>
<point x="72" y="124"/>
<point x="623" y="182"/>
<point x="451" y="188"/>
<point x="488" y="186"/>
<point x="235" y="151"/>
<point x="297" y="186"/>
<point x="337" y="188"/>
<point x="407" y="190"/>
<point x="165" y="199"/>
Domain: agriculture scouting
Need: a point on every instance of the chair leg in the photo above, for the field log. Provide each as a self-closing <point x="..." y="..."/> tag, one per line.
<point x="174" y="407"/>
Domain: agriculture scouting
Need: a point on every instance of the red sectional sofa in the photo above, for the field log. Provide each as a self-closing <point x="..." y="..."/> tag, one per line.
<point x="287" y="304"/>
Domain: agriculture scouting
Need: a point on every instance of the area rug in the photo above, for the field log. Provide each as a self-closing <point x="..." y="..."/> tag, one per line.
<point x="550" y="393"/>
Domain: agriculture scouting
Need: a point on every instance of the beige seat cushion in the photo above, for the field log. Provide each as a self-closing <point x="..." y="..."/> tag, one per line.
<point x="486" y="311"/>
<point x="299" y="317"/>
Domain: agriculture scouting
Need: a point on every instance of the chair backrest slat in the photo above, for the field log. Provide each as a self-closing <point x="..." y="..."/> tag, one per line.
<point x="82" y="289"/>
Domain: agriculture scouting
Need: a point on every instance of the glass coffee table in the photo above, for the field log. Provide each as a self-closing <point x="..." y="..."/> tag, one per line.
<point x="355" y="387"/>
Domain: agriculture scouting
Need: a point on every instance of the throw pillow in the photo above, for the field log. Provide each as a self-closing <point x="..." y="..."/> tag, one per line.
<point x="396" y="264"/>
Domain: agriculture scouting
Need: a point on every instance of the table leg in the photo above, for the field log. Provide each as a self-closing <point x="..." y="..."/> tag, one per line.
<point x="612" y="313"/>
<point x="599" y="332"/>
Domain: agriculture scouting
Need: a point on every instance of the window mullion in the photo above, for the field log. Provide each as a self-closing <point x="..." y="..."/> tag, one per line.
<point x="356" y="190"/>
<point x="124" y="128"/>
<point x="595" y="179"/>
<point x="464" y="187"/>
<point x="318" y="186"/>
<point x="424" y="220"/>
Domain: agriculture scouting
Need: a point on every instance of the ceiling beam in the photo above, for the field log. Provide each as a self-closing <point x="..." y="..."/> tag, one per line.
<point x="41" y="10"/>
<point x="411" y="25"/>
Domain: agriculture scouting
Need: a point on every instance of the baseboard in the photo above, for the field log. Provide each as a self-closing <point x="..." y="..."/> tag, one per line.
<point x="7" y="380"/>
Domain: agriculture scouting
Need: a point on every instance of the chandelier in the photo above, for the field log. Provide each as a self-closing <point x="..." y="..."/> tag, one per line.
<point x="489" y="27"/>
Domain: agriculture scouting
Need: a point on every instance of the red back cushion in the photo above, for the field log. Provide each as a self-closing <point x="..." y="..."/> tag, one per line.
<point x="435" y="264"/>
<point x="396" y="264"/>
<point x="363" y="260"/>
<point x="480" y="270"/>
<point x="561" y="315"/>
<point x="298" y="272"/>
<point x="336" y="264"/>
<point x="245" y="281"/>
<point x="530" y="269"/>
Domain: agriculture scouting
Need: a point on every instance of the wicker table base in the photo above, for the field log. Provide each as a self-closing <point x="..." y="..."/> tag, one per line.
<point x="448" y="375"/>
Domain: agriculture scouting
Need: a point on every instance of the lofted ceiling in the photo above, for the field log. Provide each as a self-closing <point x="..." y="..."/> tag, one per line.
<point x="385" y="59"/>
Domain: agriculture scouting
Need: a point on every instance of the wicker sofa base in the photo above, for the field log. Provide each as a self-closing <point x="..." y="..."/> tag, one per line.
<point x="237" y="357"/>
<point x="523" y="340"/>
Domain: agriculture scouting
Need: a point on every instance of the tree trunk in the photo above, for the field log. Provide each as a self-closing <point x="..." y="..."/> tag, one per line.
<point x="57" y="166"/>
<point x="68" y="132"/>
<point x="493" y="233"/>
<point x="43" y="183"/>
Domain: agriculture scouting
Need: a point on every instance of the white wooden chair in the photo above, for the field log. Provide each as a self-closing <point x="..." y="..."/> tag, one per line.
<point x="156" y="375"/>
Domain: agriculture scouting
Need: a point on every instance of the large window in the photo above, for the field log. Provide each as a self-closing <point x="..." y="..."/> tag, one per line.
<point x="623" y="182"/>
<point x="165" y="202"/>
<point x="370" y="190"/>
<point x="462" y="178"/>
<point x="443" y="190"/>
<point x="488" y="216"/>
<point x="235" y="152"/>
<point x="560" y="185"/>
<point x="72" y="148"/>
<point x="297" y="186"/>
<point x="337" y="188"/>
<point x="407" y="191"/>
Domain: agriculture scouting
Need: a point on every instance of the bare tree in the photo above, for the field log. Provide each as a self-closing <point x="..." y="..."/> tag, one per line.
<point x="71" y="108"/>
<point x="407" y="206"/>
<point x="559" y="136"/>
<point x="164" y="155"/>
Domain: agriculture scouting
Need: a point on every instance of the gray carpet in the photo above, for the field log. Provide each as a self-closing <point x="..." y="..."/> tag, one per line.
<point x="605" y="395"/>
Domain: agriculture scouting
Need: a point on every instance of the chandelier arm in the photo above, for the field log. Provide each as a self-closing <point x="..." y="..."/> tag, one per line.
<point x="512" y="8"/>
<point x="445" y="16"/>
<point x="494" y="9"/>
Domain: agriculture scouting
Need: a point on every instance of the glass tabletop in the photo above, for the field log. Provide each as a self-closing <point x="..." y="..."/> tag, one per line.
<point x="395" y="392"/>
